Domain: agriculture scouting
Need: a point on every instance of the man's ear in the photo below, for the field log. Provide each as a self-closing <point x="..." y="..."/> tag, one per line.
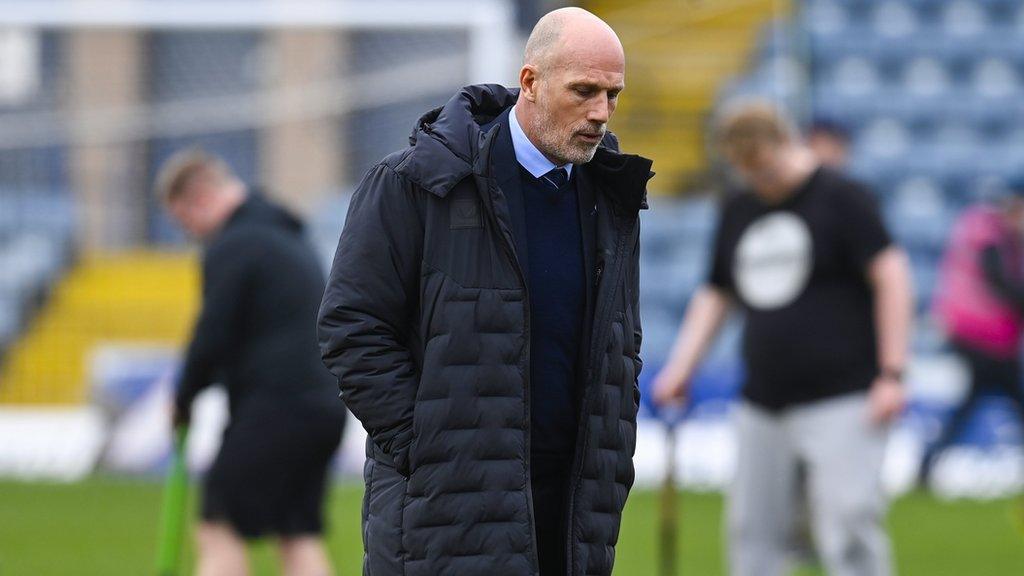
<point x="528" y="83"/>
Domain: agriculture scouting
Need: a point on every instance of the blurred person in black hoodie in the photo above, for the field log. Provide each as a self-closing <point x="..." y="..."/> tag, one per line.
<point x="262" y="285"/>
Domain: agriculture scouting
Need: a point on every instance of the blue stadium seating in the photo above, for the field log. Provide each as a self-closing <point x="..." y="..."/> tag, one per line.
<point x="35" y="247"/>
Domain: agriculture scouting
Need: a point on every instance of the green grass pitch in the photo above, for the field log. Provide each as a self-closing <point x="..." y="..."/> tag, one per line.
<point x="108" y="527"/>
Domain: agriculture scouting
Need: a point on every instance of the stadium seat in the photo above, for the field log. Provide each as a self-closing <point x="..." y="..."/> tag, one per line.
<point x="963" y="18"/>
<point x="10" y="321"/>
<point x="894" y="19"/>
<point x="995" y="79"/>
<point x="925" y="77"/>
<point x="781" y="77"/>
<point x="985" y="188"/>
<point x="919" y="199"/>
<point x="1009" y="151"/>
<point x="27" y="263"/>
<point x="955" y="140"/>
<point x="825" y="17"/>
<point x="853" y="77"/>
<point x="882" y="139"/>
<point x="776" y="38"/>
<point x="920" y="219"/>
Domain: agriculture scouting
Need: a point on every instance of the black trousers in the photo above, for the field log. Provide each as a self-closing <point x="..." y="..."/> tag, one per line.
<point x="987" y="374"/>
<point x="550" y="482"/>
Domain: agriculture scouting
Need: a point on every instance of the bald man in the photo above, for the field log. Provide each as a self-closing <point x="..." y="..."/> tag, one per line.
<point x="481" y="317"/>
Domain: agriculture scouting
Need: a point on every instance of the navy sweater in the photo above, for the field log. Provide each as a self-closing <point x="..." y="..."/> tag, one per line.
<point x="557" y="282"/>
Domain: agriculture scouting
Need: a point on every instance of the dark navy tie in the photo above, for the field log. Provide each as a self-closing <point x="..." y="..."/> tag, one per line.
<point x="556" y="178"/>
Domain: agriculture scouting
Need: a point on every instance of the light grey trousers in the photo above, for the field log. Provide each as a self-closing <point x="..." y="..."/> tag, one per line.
<point x="842" y="452"/>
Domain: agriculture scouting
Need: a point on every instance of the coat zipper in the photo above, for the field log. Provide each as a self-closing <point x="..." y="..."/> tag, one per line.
<point x="584" y="428"/>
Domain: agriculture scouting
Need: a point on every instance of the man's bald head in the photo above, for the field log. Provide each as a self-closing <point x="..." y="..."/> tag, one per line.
<point x="573" y="70"/>
<point x="562" y="33"/>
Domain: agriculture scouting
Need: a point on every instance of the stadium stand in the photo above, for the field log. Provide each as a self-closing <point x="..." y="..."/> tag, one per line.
<point x="678" y="57"/>
<point x="141" y="297"/>
<point x="35" y="246"/>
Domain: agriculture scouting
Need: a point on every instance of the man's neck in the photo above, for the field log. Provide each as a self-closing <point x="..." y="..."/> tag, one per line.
<point x="231" y="202"/>
<point x="528" y="152"/>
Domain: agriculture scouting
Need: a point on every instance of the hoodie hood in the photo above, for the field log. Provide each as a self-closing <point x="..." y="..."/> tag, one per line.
<point x="257" y="210"/>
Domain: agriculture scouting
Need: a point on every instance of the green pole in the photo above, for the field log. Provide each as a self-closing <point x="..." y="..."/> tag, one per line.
<point x="172" y="514"/>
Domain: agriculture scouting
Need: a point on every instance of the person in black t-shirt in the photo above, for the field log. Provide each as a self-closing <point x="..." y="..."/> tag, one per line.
<point x="262" y="284"/>
<point x="829" y="140"/>
<point x="828" y="303"/>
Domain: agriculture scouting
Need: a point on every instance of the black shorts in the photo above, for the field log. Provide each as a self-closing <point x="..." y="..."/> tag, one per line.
<point x="270" y="476"/>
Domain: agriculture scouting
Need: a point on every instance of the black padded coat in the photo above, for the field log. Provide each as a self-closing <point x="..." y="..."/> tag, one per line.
<point x="425" y="322"/>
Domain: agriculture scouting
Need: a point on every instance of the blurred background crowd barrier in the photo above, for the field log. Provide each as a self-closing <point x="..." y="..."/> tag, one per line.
<point x="98" y="291"/>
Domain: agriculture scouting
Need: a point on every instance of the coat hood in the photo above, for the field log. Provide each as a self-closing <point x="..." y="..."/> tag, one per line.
<point x="446" y="140"/>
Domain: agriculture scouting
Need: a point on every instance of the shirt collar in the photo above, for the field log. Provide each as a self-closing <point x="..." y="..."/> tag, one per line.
<point x="527" y="154"/>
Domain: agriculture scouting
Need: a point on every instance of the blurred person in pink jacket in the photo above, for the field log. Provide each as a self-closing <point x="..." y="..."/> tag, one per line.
<point x="980" y="301"/>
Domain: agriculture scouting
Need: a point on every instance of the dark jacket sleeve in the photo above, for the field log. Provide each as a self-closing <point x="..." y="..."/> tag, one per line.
<point x="998" y="280"/>
<point x="365" y="324"/>
<point x="226" y="270"/>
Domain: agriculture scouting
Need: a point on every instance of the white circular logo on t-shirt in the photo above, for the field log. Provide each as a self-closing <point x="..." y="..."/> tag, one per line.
<point x="773" y="260"/>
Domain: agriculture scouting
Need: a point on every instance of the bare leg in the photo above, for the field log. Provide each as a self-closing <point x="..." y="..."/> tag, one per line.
<point x="304" y="556"/>
<point x="221" y="551"/>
